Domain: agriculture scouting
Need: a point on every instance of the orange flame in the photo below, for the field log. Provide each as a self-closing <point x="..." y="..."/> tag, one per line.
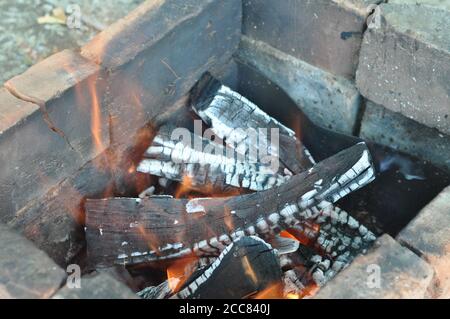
<point x="185" y="187"/>
<point x="136" y="101"/>
<point x="309" y="291"/>
<point x="228" y="219"/>
<point x="96" y="118"/>
<point x="274" y="291"/>
<point x="180" y="271"/>
<point x="304" y="237"/>
<point x="286" y="234"/>
<point x="150" y="239"/>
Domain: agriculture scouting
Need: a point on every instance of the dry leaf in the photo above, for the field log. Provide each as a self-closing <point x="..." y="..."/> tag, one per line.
<point x="58" y="17"/>
<point x="59" y="14"/>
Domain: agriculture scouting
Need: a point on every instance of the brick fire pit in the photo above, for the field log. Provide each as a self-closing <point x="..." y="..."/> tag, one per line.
<point x="71" y="124"/>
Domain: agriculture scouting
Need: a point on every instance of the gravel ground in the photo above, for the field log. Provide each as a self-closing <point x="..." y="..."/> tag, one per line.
<point x="24" y="41"/>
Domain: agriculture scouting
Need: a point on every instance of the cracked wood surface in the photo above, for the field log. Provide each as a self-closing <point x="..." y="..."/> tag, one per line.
<point x="229" y="115"/>
<point x="209" y="167"/>
<point x="37" y="161"/>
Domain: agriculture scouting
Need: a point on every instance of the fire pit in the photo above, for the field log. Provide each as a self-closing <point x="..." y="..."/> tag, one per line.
<point x="209" y="150"/>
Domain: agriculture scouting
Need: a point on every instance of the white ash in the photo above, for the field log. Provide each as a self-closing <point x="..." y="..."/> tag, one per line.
<point x="195" y="206"/>
<point x="147" y="192"/>
<point x="292" y="285"/>
<point x="161" y="291"/>
<point x="163" y="182"/>
<point x="224" y="126"/>
<point x="182" y="160"/>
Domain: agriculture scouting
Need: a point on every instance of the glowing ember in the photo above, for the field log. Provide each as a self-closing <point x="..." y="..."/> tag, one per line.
<point x="306" y="233"/>
<point x="309" y="291"/>
<point x="287" y="234"/>
<point x="273" y="292"/>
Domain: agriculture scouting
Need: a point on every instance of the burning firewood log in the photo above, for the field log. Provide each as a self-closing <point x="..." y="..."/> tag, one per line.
<point x="329" y="244"/>
<point x="245" y="267"/>
<point x="163" y="147"/>
<point x="131" y="231"/>
<point x="228" y="114"/>
<point x="211" y="168"/>
<point x="162" y="291"/>
<point x="340" y="232"/>
<point x="208" y="165"/>
<point x="293" y="287"/>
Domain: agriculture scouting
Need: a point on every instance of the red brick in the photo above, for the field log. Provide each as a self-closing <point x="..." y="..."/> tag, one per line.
<point x="405" y="62"/>
<point x="402" y="275"/>
<point x="429" y="235"/>
<point x="25" y="271"/>
<point x="35" y="156"/>
<point x="157" y="53"/>
<point x="326" y="34"/>
<point x="13" y="111"/>
<point x="100" y="286"/>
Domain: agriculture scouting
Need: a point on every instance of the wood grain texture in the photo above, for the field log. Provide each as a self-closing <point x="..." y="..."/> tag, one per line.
<point x="209" y="167"/>
<point x="247" y="266"/>
<point x="130" y="231"/>
<point x="229" y="115"/>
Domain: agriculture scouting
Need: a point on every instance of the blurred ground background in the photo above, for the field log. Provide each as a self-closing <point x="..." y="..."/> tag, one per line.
<point x="31" y="30"/>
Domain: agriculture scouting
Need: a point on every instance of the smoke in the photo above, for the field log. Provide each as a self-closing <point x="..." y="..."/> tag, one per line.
<point x="404" y="165"/>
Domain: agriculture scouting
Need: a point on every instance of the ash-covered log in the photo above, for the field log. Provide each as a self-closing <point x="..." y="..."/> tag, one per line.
<point x="131" y="231"/>
<point x="209" y="167"/>
<point x="329" y="244"/>
<point x="246" y="162"/>
<point x="230" y="114"/>
<point x="162" y="291"/>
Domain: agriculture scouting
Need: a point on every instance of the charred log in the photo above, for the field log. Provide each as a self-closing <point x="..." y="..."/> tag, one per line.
<point x="209" y="167"/>
<point x="131" y="231"/>
<point x="162" y="291"/>
<point x="229" y="114"/>
<point x="330" y="242"/>
<point x="245" y="267"/>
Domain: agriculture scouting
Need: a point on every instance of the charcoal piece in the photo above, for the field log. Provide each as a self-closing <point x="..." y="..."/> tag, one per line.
<point x="247" y="266"/>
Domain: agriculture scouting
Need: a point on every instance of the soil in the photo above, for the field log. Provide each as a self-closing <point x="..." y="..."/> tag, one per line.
<point x="24" y="40"/>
